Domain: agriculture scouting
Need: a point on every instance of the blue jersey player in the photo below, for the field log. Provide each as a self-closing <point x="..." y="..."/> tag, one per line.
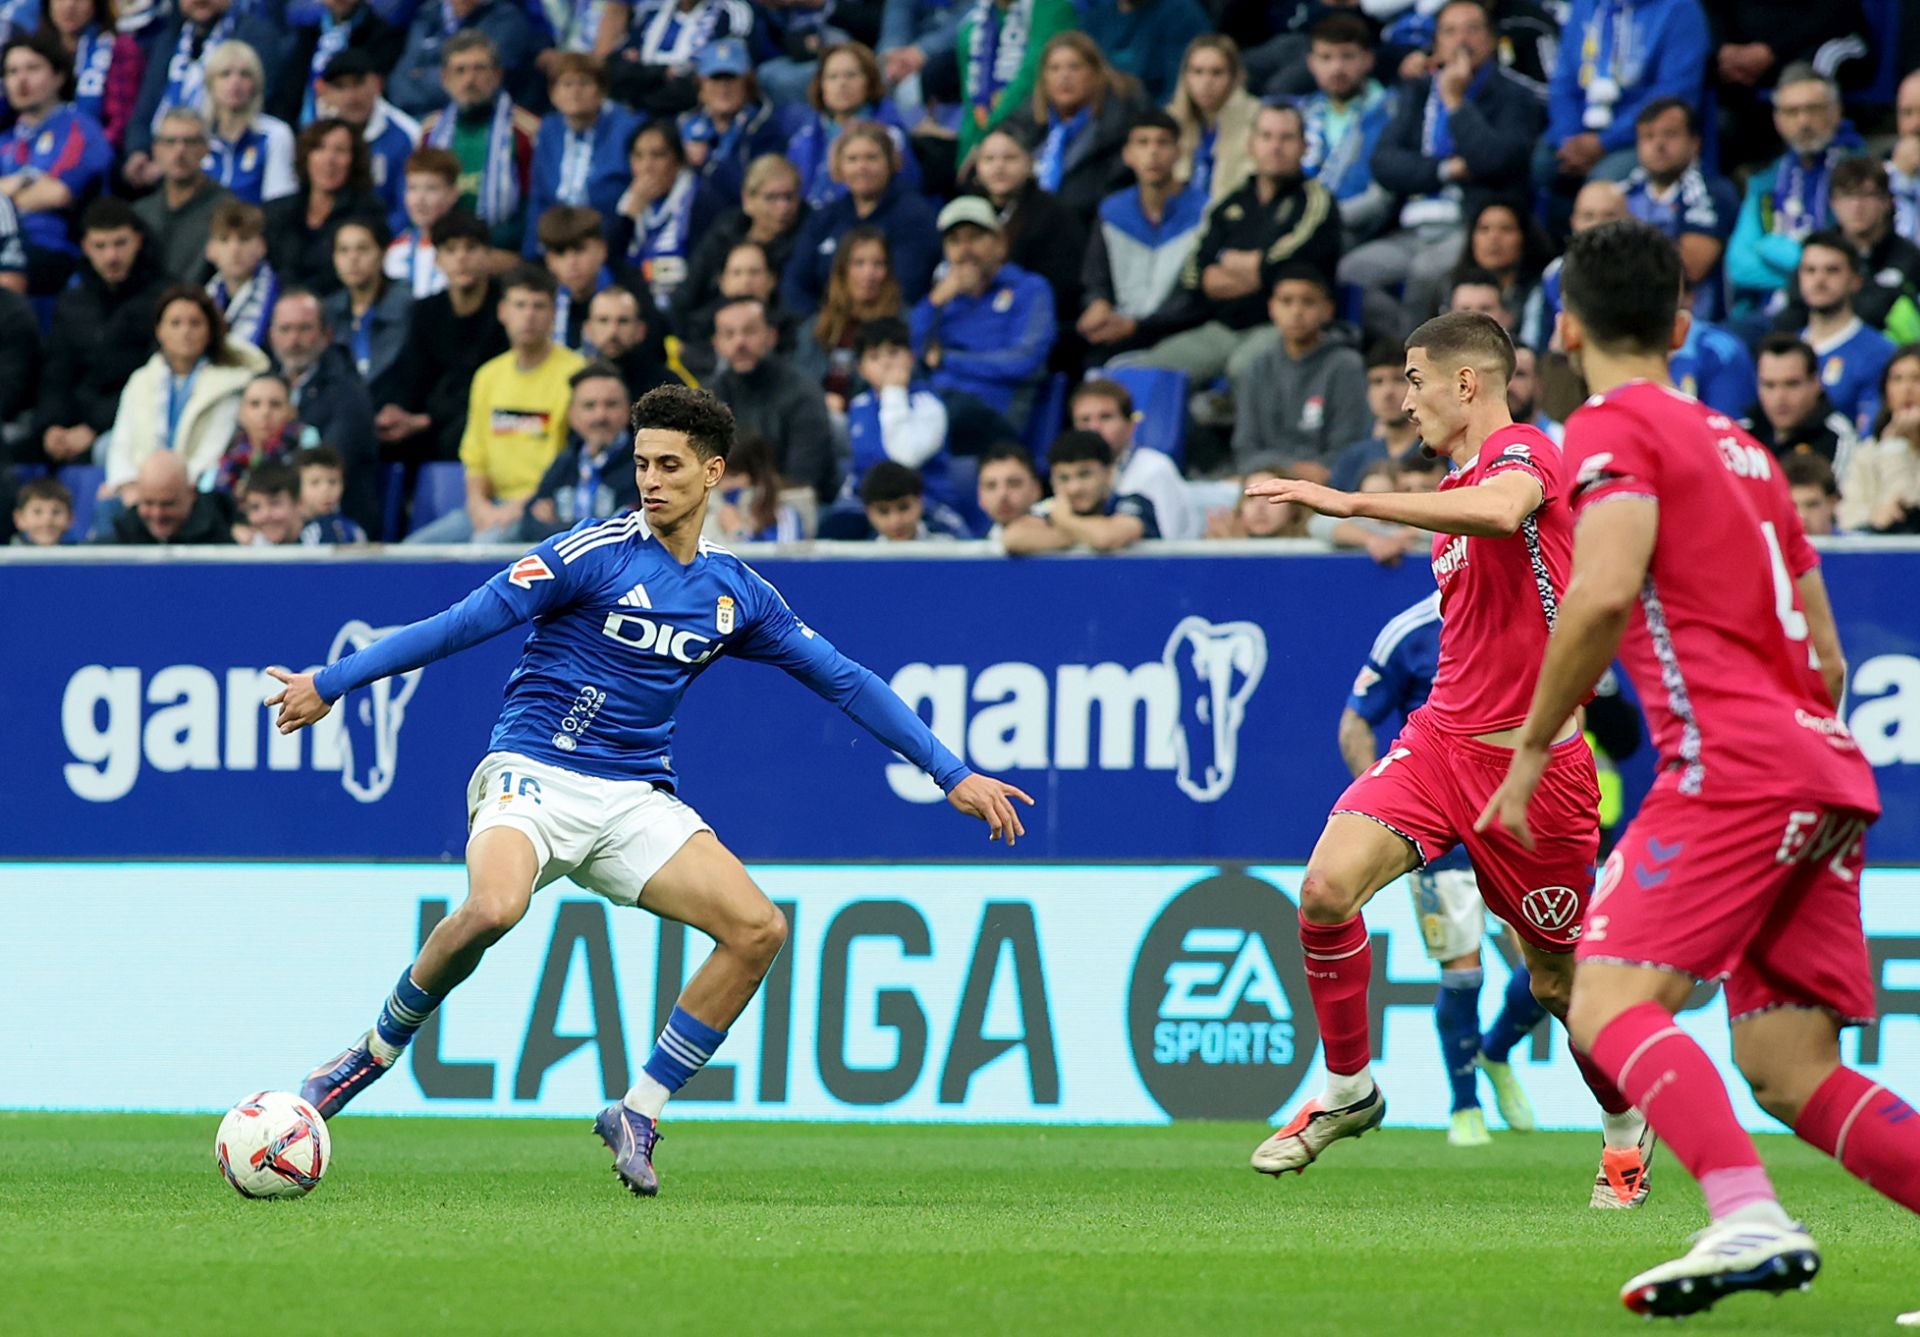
<point x="578" y="779"/>
<point x="1446" y="900"/>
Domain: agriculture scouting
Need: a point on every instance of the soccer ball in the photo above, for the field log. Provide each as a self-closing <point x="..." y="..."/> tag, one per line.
<point x="273" y="1145"/>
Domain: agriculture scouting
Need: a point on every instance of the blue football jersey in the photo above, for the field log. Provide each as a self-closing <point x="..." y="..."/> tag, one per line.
<point x="1397" y="677"/>
<point x="620" y="630"/>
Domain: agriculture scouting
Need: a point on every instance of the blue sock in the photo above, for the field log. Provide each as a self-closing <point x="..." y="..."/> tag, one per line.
<point x="1519" y="1014"/>
<point x="682" y="1050"/>
<point x="405" y="1011"/>
<point x="1456" y="1012"/>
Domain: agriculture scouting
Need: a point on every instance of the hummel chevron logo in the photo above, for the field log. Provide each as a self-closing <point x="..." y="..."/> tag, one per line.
<point x="636" y="598"/>
<point x="1659" y="854"/>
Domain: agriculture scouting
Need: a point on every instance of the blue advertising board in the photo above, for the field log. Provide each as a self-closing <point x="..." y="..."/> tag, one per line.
<point x="1158" y="707"/>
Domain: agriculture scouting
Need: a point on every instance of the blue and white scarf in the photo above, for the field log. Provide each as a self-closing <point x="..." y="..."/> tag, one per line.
<point x="334" y="36"/>
<point x="1800" y="193"/>
<point x="499" y="196"/>
<point x="661" y="238"/>
<point x="248" y="309"/>
<point x="576" y="165"/>
<point x="187" y="68"/>
<point x="999" y="50"/>
<point x="1050" y="164"/>
<point x="92" y="57"/>
<point x="576" y="23"/>
<point x="1436" y="135"/>
<point x="563" y="308"/>
<point x="1607" y="46"/>
<point x="673" y="38"/>
<point x="583" y="498"/>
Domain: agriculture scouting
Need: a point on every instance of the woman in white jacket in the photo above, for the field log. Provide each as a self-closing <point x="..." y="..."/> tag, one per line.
<point x="1881" y="490"/>
<point x="187" y="395"/>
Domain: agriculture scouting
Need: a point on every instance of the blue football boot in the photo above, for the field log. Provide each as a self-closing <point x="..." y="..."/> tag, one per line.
<point x="330" y="1086"/>
<point x="630" y="1137"/>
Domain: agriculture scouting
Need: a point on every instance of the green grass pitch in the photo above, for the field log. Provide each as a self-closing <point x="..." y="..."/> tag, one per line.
<point x="121" y="1224"/>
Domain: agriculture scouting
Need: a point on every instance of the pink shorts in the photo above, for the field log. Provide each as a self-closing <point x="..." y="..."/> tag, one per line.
<point x="1431" y="787"/>
<point x="1763" y="894"/>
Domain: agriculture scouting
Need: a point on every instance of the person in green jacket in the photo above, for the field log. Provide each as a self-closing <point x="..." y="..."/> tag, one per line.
<point x="999" y="48"/>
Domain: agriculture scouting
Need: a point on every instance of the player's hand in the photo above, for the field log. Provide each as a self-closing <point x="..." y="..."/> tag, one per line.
<point x="1314" y="496"/>
<point x="992" y="802"/>
<point x="299" y="700"/>
<point x="1507" y="809"/>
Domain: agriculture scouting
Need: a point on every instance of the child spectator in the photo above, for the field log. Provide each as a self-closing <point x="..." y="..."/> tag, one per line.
<point x="576" y="254"/>
<point x="1085" y="509"/>
<point x="42" y="513"/>
<point x="244" y="286"/>
<point x="1305" y="398"/>
<point x="267" y="429"/>
<point x="895" y="502"/>
<point x="272" y="507"/>
<point x="432" y="190"/>
<point x="322" y="478"/>
<point x="895" y="419"/>
<point x="1258" y="518"/>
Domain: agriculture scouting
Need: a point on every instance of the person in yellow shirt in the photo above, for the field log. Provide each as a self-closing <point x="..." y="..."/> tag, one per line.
<point x="516" y="416"/>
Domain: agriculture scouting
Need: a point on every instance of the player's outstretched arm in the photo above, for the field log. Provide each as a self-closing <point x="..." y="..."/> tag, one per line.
<point x="1611" y="550"/>
<point x="1493" y="509"/>
<point x="299" y="700"/>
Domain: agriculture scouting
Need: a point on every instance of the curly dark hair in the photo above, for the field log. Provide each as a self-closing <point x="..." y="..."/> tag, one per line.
<point x="677" y="408"/>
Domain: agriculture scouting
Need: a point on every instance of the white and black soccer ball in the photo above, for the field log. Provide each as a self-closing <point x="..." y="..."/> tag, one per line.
<point x="273" y="1144"/>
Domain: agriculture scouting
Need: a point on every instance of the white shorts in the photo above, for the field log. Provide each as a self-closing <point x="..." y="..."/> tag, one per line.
<point x="610" y="836"/>
<point x="1452" y="917"/>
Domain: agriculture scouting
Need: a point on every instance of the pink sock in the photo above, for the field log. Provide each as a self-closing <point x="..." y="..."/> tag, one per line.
<point x="1670" y="1079"/>
<point x="1872" y="1132"/>
<point x="1603" y="1090"/>
<point x="1339" y="969"/>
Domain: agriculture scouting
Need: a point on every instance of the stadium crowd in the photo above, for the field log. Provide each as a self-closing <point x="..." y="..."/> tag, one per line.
<point x="1052" y="271"/>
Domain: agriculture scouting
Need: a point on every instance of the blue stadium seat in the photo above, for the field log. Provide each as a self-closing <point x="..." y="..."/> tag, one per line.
<point x="440" y="489"/>
<point x="393" y="502"/>
<point x="26" y="473"/>
<point x="83" y="480"/>
<point x="1160" y="397"/>
<point x="1049" y="415"/>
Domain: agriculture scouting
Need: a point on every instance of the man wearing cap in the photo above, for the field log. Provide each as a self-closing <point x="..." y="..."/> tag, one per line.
<point x="321" y="35"/>
<point x="733" y="125"/>
<point x="352" y="87"/>
<point x="984" y="331"/>
<point x="580" y="156"/>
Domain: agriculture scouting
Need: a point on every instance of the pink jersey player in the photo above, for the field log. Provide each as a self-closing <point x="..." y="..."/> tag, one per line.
<point x="1743" y="865"/>
<point x="1502" y="548"/>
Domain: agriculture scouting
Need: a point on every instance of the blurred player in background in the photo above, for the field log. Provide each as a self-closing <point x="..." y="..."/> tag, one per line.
<point x="578" y="781"/>
<point x="1505" y="538"/>
<point x="1392" y="684"/>
<point x="1743" y="864"/>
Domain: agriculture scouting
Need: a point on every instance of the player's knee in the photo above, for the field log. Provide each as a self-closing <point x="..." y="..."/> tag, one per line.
<point x="1327" y="900"/>
<point x="487" y="919"/>
<point x="1774" y="1091"/>
<point x="763" y="934"/>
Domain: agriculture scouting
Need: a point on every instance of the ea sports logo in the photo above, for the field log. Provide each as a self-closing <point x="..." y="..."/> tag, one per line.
<point x="1551" y="909"/>
<point x="1217" y="1010"/>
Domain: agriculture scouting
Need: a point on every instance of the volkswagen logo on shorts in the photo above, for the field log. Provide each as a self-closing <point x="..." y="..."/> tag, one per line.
<point x="1218" y="1011"/>
<point x="1551" y="909"/>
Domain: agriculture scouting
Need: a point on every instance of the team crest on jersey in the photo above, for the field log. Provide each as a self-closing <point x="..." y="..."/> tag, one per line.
<point x="723" y="615"/>
<point x="528" y="569"/>
<point x="45" y="146"/>
<point x="1551" y="909"/>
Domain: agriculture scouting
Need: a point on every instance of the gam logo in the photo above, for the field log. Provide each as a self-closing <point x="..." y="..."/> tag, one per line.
<point x="1182" y="712"/>
<point x="118" y="723"/>
<point x="1217" y="1012"/>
